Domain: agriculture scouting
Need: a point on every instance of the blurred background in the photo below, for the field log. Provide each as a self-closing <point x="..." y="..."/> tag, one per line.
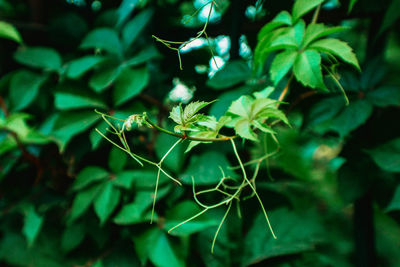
<point x="70" y="198"/>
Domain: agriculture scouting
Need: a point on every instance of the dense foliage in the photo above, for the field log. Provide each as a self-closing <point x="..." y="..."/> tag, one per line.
<point x="132" y="133"/>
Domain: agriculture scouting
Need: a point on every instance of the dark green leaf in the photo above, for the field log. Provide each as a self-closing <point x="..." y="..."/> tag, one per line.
<point x="307" y="69"/>
<point x="351" y="5"/>
<point x="134" y="27"/>
<point x="232" y="73"/>
<point x="384" y="96"/>
<point x="83" y="200"/>
<point x="72" y="236"/>
<point x="125" y="9"/>
<point x="76" y="99"/>
<point x="24" y="87"/>
<point x="104" y="77"/>
<point x="175" y="159"/>
<point x="117" y="159"/>
<point x="106" y="201"/>
<point x="129" y="84"/>
<point x="295" y="233"/>
<point x="391" y="16"/>
<point x="8" y="31"/>
<point x="104" y="39"/>
<point x="39" y="57"/>
<point x="78" y="67"/>
<point x="301" y="7"/>
<point x="337" y="48"/>
<point x="205" y="169"/>
<point x="387" y="156"/>
<point x="395" y="202"/>
<point x="89" y="175"/>
<point x="143" y="56"/>
<point x="32" y="224"/>
<point x="162" y="254"/>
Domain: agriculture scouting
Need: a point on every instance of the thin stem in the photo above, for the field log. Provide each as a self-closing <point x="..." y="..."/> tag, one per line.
<point x="155" y="195"/>
<point x="219" y="227"/>
<point x="185" y="221"/>
<point x="285" y="90"/>
<point x="316" y="14"/>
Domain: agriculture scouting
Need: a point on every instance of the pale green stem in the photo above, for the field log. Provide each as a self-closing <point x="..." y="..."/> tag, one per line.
<point x="219" y="227"/>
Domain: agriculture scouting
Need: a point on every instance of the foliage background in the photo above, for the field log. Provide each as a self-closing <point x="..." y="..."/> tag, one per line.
<point x="68" y="198"/>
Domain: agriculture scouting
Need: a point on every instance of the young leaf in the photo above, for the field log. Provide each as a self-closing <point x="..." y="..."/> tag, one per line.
<point x="337" y="48"/>
<point x="106" y="201"/>
<point x="302" y="7"/>
<point x="307" y="69"/>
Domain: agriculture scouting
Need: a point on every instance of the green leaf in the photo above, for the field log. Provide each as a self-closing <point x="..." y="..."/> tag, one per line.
<point x="307" y="69"/>
<point x="163" y="254"/>
<point x="32" y="224"/>
<point x="8" y="31"/>
<point x="89" y="175"/>
<point x="76" y="99"/>
<point x="241" y="107"/>
<point x="125" y="9"/>
<point x="391" y="16"/>
<point x="220" y="107"/>
<point x="351" y="117"/>
<point x="351" y="5"/>
<point x="325" y="110"/>
<point x="69" y="124"/>
<point x="143" y="56"/>
<point x="205" y="169"/>
<point x="117" y="159"/>
<point x="188" y="116"/>
<point x="243" y="129"/>
<point x="39" y="57"/>
<point x="24" y="87"/>
<point x="72" y="236"/>
<point x="302" y="7"/>
<point x="106" y="201"/>
<point x="183" y="211"/>
<point x="129" y="84"/>
<point x="104" y="39"/>
<point x="387" y="156"/>
<point x="105" y="77"/>
<point x="316" y="31"/>
<point x="395" y="202"/>
<point x="282" y="19"/>
<point x="295" y="233"/>
<point x="337" y="48"/>
<point x="384" y="96"/>
<point x="78" y="67"/>
<point x="134" y="27"/>
<point x="83" y="200"/>
<point x="232" y="73"/>
<point x="282" y="64"/>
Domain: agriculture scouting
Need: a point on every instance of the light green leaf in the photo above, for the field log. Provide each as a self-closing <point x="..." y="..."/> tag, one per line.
<point x="106" y="201"/>
<point x="24" y="87"/>
<point x="129" y="84"/>
<point x="307" y="69"/>
<point x="395" y="202"/>
<point x="192" y="108"/>
<point x="302" y="7"/>
<point x="230" y="74"/>
<point x="89" y="175"/>
<point x="83" y="200"/>
<point x="8" y="31"/>
<point x="220" y="107"/>
<point x="39" y="57"/>
<point x="202" y="134"/>
<point x="104" y="39"/>
<point x="243" y="129"/>
<point x="387" y="156"/>
<point x="32" y="224"/>
<point x="241" y="107"/>
<point x="384" y="96"/>
<point x="206" y="169"/>
<point x="72" y="236"/>
<point x="183" y="211"/>
<point x="134" y="27"/>
<point x="76" y="99"/>
<point x="282" y="64"/>
<point x="104" y="77"/>
<point x="78" y="67"/>
<point x="316" y="31"/>
<point x="282" y="19"/>
<point x="337" y="48"/>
